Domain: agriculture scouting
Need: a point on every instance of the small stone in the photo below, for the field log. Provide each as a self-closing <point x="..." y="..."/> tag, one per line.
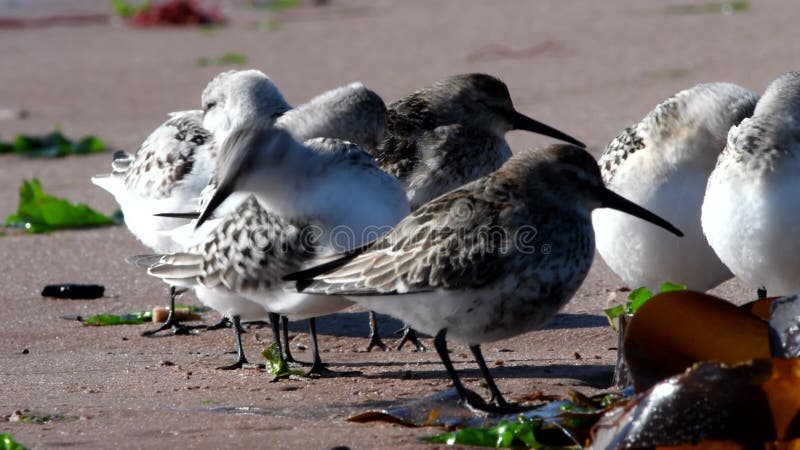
<point x="25" y="351"/>
<point x="167" y="363"/>
<point x="577" y="355"/>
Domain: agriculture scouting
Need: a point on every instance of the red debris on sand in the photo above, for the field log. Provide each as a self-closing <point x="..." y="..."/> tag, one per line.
<point x="177" y="12"/>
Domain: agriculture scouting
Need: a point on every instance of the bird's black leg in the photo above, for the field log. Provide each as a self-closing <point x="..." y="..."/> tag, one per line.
<point x="275" y="322"/>
<point x="287" y="351"/>
<point x="762" y="292"/>
<point x="317" y="368"/>
<point x="172" y="321"/>
<point x="224" y="322"/>
<point x="440" y="344"/>
<point x="410" y="335"/>
<point x="241" y="361"/>
<point x="497" y="399"/>
<point x="374" y="336"/>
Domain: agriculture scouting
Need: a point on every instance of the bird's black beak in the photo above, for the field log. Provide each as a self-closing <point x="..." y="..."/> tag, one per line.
<point x="224" y="190"/>
<point x="522" y="122"/>
<point x="609" y="199"/>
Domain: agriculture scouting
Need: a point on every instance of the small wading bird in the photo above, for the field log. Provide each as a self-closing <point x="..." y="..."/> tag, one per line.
<point x="221" y="261"/>
<point x="663" y="163"/>
<point x="168" y="172"/>
<point x="751" y="210"/>
<point x="446" y="135"/>
<point x="493" y="259"/>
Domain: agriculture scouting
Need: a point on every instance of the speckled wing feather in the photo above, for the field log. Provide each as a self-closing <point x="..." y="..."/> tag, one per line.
<point x="625" y="144"/>
<point x="168" y="155"/>
<point x="406" y="119"/>
<point x="460" y="240"/>
<point x="252" y="249"/>
<point x="448" y="160"/>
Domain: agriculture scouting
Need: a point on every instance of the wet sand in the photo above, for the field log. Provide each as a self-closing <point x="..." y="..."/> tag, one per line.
<point x="589" y="69"/>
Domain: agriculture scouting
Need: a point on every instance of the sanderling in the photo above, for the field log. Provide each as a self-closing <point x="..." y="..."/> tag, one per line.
<point x="493" y="259"/>
<point x="331" y="189"/>
<point x="448" y="134"/>
<point x="236" y="98"/>
<point x="662" y="163"/>
<point x="749" y="213"/>
<point x="169" y="171"/>
<point x="352" y="112"/>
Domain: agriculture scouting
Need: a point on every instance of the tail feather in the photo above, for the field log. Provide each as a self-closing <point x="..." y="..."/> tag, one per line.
<point x="144" y="261"/>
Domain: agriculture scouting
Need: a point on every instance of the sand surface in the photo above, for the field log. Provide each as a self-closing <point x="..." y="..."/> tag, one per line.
<point x="588" y="68"/>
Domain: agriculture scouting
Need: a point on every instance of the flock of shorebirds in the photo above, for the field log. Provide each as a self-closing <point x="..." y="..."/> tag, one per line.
<point x="419" y="210"/>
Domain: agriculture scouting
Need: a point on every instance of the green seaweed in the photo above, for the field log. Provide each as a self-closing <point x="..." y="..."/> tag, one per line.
<point x="40" y="212"/>
<point x="134" y="318"/>
<point x="8" y="443"/>
<point x="230" y="58"/>
<point x="637" y="298"/>
<point x="710" y="7"/>
<point x="126" y="9"/>
<point x="52" y="145"/>
<point x="277" y="5"/>
<point x="276" y="365"/>
<point x="518" y="433"/>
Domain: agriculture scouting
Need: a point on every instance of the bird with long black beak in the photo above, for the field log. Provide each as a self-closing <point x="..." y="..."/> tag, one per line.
<point x="493" y="259"/>
<point x="446" y="135"/>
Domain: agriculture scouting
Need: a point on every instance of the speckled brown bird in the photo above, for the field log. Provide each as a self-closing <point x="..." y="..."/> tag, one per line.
<point x="446" y="135"/>
<point x="493" y="259"/>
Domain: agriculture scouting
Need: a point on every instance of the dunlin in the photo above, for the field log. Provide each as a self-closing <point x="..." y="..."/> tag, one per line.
<point x="493" y="259"/>
<point x="750" y="213"/>
<point x="448" y="134"/>
<point x="662" y="163"/>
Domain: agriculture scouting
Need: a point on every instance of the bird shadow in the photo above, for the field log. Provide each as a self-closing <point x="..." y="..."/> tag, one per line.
<point x="356" y="324"/>
<point x="596" y="376"/>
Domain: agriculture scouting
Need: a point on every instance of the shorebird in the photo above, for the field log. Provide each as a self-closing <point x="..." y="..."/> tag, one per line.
<point x="751" y="210"/>
<point x="330" y="189"/>
<point x="490" y="260"/>
<point x="452" y="132"/>
<point x="662" y="163"/>
<point x="169" y="171"/>
<point x="352" y="112"/>
<point x="237" y="98"/>
<point x="446" y="135"/>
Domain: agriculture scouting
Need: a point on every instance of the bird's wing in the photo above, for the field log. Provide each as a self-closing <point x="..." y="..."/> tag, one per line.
<point x="452" y="242"/>
<point x="406" y="119"/>
<point x="618" y="150"/>
<point x="252" y="249"/>
<point x="168" y="155"/>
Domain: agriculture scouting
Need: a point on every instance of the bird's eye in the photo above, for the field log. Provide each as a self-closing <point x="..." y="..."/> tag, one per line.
<point x="209" y="105"/>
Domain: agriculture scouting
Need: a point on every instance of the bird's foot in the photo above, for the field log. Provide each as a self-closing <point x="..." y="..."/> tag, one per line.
<point x="375" y="341"/>
<point x="319" y="370"/>
<point x="410" y="336"/>
<point x="176" y="327"/>
<point x="242" y="363"/>
<point x="495" y="406"/>
<point x="223" y="323"/>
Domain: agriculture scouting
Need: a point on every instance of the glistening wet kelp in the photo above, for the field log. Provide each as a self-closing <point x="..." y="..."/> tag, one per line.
<point x="40" y="212"/>
<point x="8" y="443"/>
<point x="52" y="145"/>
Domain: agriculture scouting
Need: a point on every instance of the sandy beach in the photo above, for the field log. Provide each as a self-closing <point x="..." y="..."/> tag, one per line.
<point x="588" y="68"/>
